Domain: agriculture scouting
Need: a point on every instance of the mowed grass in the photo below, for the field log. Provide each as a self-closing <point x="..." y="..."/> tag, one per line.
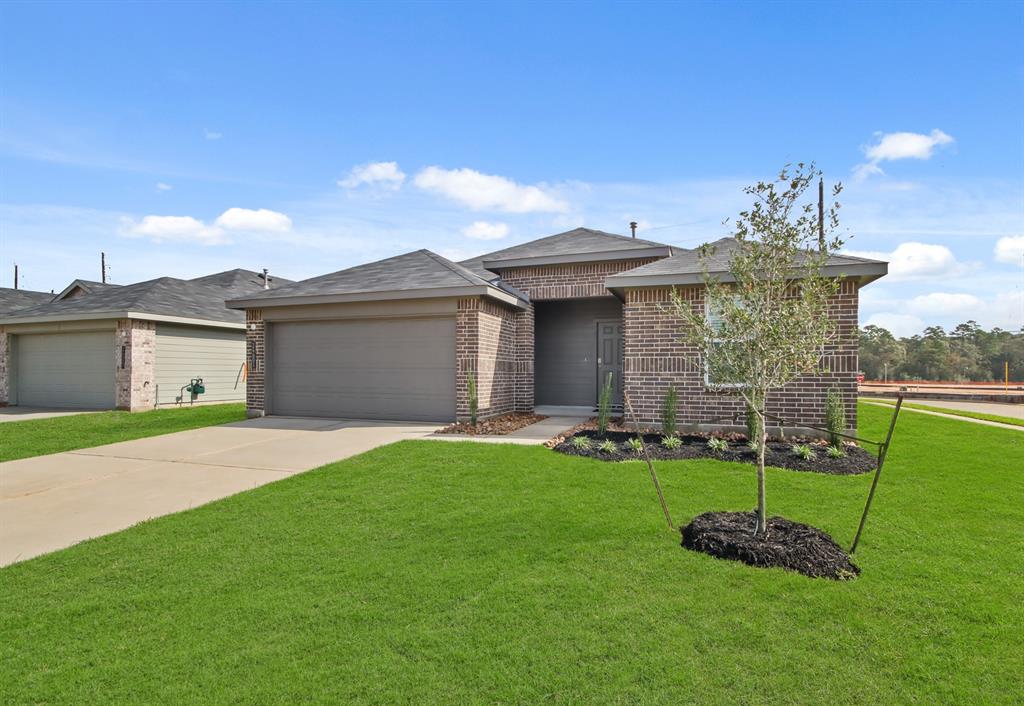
<point x="959" y="412"/>
<point x="37" y="437"/>
<point x="437" y="572"/>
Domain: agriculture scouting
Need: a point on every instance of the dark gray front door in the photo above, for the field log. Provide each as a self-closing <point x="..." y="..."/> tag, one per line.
<point x="609" y="356"/>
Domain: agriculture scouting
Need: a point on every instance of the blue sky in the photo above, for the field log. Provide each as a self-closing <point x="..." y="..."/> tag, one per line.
<point x="183" y="139"/>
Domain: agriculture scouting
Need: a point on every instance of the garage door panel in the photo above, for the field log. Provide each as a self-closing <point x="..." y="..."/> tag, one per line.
<point x="376" y="369"/>
<point x="72" y="370"/>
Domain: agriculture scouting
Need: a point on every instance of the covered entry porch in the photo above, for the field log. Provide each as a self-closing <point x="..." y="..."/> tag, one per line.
<point x="578" y="342"/>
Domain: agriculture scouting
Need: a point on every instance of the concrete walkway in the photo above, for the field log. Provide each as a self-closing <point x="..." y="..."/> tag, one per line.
<point x="24" y="414"/>
<point x="51" y="502"/>
<point x="536" y="433"/>
<point x="984" y="422"/>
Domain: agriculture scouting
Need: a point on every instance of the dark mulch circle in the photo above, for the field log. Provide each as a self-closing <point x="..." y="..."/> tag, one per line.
<point x="505" y="424"/>
<point x="778" y="453"/>
<point x="787" y="544"/>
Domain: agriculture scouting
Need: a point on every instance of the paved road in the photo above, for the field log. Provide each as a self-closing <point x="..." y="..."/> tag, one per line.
<point x="1003" y="410"/>
<point x="51" y="502"/>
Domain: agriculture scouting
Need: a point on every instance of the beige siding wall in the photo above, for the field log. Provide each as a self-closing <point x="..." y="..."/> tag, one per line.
<point x="186" y="352"/>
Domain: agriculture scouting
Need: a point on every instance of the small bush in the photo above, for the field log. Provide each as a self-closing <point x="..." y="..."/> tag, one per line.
<point x="668" y="411"/>
<point x="671" y="442"/>
<point x="473" y="401"/>
<point x="635" y="445"/>
<point x="581" y="442"/>
<point x="604" y="406"/>
<point x="717" y="445"/>
<point x="607" y="446"/>
<point x="803" y="451"/>
<point x="835" y="416"/>
<point x="835" y="452"/>
<point x="753" y="428"/>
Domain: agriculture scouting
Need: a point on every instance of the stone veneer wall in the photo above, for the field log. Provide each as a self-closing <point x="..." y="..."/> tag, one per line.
<point x="5" y="367"/>
<point x="485" y="345"/>
<point x="655" y="358"/>
<point x="135" y="364"/>
<point x="255" y="357"/>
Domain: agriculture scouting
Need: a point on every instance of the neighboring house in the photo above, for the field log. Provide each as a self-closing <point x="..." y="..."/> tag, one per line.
<point x="131" y="347"/>
<point x="540" y="323"/>
<point x="15" y="299"/>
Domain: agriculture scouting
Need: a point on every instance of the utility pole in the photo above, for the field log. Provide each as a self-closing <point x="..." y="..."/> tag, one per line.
<point x="821" y="214"/>
<point x="15" y="275"/>
<point x="103" y="267"/>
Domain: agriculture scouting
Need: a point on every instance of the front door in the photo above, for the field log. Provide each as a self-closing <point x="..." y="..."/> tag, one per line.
<point x="609" y="357"/>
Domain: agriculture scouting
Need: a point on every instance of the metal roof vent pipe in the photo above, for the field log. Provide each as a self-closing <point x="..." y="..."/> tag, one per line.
<point x="266" y="279"/>
<point x="632" y="227"/>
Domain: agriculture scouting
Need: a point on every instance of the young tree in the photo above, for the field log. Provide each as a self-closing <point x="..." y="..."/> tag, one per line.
<point x="767" y="320"/>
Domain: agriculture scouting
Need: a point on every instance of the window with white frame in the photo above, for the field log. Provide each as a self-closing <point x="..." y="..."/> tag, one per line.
<point x="723" y="379"/>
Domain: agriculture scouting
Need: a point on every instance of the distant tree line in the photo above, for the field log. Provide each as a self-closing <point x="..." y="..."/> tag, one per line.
<point x="967" y="353"/>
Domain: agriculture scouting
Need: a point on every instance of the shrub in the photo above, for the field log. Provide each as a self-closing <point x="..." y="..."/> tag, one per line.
<point x="668" y="411"/>
<point x="604" y="406"/>
<point x="473" y="401"/>
<point x="803" y="451"/>
<point x="608" y="446"/>
<point x="717" y="445"/>
<point x="635" y="445"/>
<point x="835" y="452"/>
<point x="835" y="416"/>
<point x="753" y="428"/>
<point x="671" y="442"/>
<point x="581" y="442"/>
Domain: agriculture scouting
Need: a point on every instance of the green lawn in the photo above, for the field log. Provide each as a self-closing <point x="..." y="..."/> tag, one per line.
<point x="959" y="412"/>
<point x="439" y="572"/>
<point x="37" y="437"/>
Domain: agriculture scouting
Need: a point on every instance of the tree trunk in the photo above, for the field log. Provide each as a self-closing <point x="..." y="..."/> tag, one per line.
<point x="762" y="514"/>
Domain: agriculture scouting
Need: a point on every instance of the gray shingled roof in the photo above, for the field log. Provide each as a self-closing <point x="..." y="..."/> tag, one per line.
<point x="85" y="285"/>
<point x="15" y="299"/>
<point x="201" y="298"/>
<point x="418" y="270"/>
<point x="579" y="241"/>
<point x="689" y="261"/>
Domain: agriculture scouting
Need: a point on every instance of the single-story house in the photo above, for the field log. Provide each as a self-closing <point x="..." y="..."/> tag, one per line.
<point x="135" y="347"/>
<point x="537" y="324"/>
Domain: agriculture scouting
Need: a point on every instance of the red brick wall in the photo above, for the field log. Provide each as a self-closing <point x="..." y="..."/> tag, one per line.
<point x="654" y="358"/>
<point x="573" y="281"/>
<point x="255" y="357"/>
<point x="485" y="345"/>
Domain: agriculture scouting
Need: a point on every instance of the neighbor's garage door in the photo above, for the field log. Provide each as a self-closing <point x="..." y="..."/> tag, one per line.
<point x="369" y="369"/>
<point x="65" y="370"/>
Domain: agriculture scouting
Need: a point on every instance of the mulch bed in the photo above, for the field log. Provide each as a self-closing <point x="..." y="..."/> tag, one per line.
<point x="778" y="453"/>
<point x="787" y="544"/>
<point x="494" y="426"/>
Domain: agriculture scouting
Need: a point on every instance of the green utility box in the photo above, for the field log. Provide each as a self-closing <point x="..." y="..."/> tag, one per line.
<point x="196" y="387"/>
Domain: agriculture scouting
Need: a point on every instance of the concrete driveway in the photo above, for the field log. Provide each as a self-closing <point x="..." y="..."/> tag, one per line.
<point x="51" y="502"/>
<point x="23" y="414"/>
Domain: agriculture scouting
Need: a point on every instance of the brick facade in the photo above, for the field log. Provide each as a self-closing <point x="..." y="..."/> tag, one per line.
<point x="571" y="281"/>
<point x="255" y="357"/>
<point x="485" y="345"/>
<point x="5" y="367"/>
<point x="135" y="364"/>
<point x="655" y="358"/>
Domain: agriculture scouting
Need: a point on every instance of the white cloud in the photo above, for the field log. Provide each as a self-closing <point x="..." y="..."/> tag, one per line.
<point x="263" y="220"/>
<point x="899" y="325"/>
<point x="916" y="261"/>
<point x="893" y="146"/>
<point x="160" y="186"/>
<point x="173" y="228"/>
<point x="943" y="305"/>
<point x="482" y="230"/>
<point x="212" y="134"/>
<point x="1010" y="249"/>
<point x="384" y="174"/>
<point x="481" y="191"/>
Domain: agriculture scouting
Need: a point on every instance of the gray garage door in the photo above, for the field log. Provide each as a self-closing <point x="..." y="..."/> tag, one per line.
<point x="369" y="369"/>
<point x="74" y="370"/>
